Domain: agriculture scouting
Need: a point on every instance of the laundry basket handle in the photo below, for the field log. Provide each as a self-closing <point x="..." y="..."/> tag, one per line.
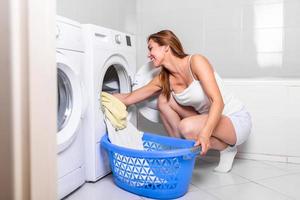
<point x="193" y="152"/>
<point x="196" y="149"/>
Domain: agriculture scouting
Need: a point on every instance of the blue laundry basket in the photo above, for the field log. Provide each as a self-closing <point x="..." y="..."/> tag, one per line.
<point x="163" y="170"/>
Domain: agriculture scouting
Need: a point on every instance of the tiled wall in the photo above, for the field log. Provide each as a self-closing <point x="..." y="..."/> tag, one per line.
<point x="274" y="107"/>
<point x="253" y="40"/>
<point x="241" y="38"/>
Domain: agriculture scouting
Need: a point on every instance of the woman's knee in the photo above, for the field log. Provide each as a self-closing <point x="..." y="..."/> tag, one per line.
<point x="190" y="127"/>
<point x="186" y="129"/>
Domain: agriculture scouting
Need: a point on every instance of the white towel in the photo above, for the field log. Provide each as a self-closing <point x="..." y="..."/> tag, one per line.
<point x="128" y="137"/>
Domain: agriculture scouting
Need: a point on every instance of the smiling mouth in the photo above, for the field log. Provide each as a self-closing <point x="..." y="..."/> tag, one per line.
<point x="152" y="58"/>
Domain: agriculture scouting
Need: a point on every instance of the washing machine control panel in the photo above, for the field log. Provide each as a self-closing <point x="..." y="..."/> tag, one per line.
<point x="118" y="39"/>
<point x="122" y="39"/>
<point x="128" y="40"/>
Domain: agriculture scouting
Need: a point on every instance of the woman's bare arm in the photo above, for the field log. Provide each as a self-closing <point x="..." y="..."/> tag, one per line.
<point x="205" y="74"/>
<point x="142" y="93"/>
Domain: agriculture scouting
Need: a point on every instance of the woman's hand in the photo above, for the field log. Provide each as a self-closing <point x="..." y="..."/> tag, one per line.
<point x="121" y="97"/>
<point x="204" y="142"/>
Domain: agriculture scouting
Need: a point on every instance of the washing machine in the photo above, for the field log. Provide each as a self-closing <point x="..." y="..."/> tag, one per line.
<point x="70" y="106"/>
<point x="110" y="64"/>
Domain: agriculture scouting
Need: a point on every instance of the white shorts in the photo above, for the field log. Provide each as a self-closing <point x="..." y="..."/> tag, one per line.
<point x="242" y="124"/>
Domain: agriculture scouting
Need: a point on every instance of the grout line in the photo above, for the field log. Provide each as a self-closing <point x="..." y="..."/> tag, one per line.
<point x="259" y="179"/>
<point x="260" y="185"/>
<point x="268" y="165"/>
<point x="276" y="176"/>
<point x="232" y="184"/>
<point x="207" y="192"/>
<point x="220" y="186"/>
<point x="264" y="162"/>
<point x="264" y="186"/>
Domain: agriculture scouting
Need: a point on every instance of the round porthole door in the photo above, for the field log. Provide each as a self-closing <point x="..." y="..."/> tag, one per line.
<point x="69" y="103"/>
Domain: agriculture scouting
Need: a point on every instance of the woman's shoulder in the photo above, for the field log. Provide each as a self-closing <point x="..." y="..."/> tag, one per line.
<point x="199" y="61"/>
<point x="198" y="58"/>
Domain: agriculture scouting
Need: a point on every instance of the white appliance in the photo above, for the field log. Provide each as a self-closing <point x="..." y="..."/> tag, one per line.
<point x="71" y="106"/>
<point x="110" y="63"/>
<point x="148" y="108"/>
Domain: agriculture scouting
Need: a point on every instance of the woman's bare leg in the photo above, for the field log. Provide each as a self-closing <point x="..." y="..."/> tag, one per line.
<point x="180" y="120"/>
<point x="191" y="125"/>
<point x="171" y="130"/>
<point x="169" y="117"/>
<point x="217" y="144"/>
<point x="223" y="136"/>
<point x="171" y="114"/>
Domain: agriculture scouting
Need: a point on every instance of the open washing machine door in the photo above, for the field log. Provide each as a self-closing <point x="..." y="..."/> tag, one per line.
<point x="69" y="102"/>
<point x="147" y="108"/>
<point x="117" y="78"/>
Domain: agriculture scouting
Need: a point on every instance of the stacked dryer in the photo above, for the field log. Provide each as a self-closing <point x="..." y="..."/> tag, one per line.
<point x="110" y="63"/>
<point x="71" y="106"/>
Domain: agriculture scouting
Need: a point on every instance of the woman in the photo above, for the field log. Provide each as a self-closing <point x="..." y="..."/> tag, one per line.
<point x="192" y="102"/>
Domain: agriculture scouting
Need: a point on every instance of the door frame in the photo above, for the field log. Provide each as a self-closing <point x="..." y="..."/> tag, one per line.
<point x="28" y="100"/>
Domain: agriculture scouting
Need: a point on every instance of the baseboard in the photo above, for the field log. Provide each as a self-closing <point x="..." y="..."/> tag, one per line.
<point x="214" y="156"/>
<point x="267" y="157"/>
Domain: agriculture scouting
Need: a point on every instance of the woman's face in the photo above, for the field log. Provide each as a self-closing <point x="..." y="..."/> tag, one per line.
<point x="156" y="53"/>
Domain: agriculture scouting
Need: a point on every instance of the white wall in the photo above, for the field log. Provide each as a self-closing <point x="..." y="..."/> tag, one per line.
<point x="274" y="106"/>
<point x="114" y="14"/>
<point x="241" y="38"/>
<point x="156" y="15"/>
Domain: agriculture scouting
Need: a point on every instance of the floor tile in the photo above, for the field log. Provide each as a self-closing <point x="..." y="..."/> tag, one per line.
<point x="192" y="188"/>
<point x="255" y="170"/>
<point x="288" y="167"/>
<point x="246" y="191"/>
<point x="199" y="194"/>
<point x="288" y="184"/>
<point x="194" y="195"/>
<point x="204" y="177"/>
<point x="103" y="189"/>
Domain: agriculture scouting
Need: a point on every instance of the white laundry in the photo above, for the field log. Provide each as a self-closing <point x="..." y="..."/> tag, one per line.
<point x="128" y="137"/>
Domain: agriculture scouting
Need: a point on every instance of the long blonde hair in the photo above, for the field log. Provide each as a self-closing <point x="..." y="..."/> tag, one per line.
<point x="168" y="38"/>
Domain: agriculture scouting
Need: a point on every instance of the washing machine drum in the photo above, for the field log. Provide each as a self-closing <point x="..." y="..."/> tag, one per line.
<point x="69" y="105"/>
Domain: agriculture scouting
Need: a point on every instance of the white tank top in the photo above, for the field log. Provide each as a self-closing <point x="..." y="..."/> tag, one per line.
<point x="195" y="96"/>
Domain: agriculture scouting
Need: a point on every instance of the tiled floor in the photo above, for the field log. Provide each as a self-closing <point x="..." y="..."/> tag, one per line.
<point x="248" y="180"/>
